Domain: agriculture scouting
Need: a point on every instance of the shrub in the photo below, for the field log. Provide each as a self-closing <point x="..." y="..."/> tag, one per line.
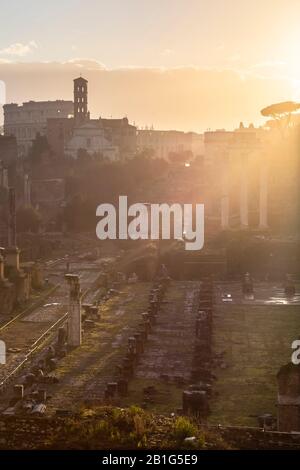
<point x="184" y="428"/>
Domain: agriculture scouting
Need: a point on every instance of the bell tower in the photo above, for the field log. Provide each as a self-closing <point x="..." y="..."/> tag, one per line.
<point x="81" y="114"/>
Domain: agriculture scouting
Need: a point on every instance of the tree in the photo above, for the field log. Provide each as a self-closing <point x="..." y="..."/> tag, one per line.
<point x="39" y="150"/>
<point x="180" y="157"/>
<point x="281" y="113"/>
<point x="280" y="110"/>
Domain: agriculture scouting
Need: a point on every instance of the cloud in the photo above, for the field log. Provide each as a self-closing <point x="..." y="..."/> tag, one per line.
<point x="269" y="63"/>
<point x="88" y="64"/>
<point x="19" y="49"/>
<point x="185" y="98"/>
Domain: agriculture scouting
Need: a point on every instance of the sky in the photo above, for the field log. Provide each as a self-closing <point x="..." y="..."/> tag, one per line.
<point x="186" y="64"/>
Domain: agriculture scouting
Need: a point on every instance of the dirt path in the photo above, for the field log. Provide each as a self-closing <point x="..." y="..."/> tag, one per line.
<point x="84" y="372"/>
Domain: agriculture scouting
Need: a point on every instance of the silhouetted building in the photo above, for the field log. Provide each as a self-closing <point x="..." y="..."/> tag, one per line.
<point x="121" y="134"/>
<point x="239" y="195"/>
<point x="27" y="120"/>
<point x="165" y="143"/>
<point x="89" y="137"/>
<point x="59" y="132"/>
<point x="111" y="138"/>
<point x="81" y="114"/>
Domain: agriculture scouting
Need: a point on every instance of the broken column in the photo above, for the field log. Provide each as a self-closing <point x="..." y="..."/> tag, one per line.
<point x="3" y="176"/>
<point x="12" y="255"/>
<point x="123" y="387"/>
<point x="289" y="287"/>
<point x="20" y="279"/>
<point x="288" y="402"/>
<point x="194" y="402"/>
<point x="7" y="289"/>
<point x="247" y="285"/>
<point x="12" y="258"/>
<point x="74" y="314"/>
<point x="19" y="391"/>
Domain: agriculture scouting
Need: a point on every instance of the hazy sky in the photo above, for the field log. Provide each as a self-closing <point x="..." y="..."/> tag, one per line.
<point x="229" y="44"/>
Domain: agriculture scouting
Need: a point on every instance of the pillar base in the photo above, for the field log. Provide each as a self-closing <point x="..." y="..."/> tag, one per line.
<point x="12" y="258"/>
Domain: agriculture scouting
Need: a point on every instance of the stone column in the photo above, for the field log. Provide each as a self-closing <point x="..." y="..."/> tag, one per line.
<point x="12" y="258"/>
<point x="3" y="176"/>
<point x="263" y="196"/>
<point x="74" y="314"/>
<point x="244" y="193"/>
<point x="288" y="404"/>
<point x="1" y="266"/>
<point x="2" y="353"/>
<point x="225" y="194"/>
<point x="225" y="212"/>
<point x="12" y="232"/>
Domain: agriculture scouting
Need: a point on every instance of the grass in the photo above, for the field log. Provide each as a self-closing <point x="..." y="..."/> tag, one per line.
<point x="183" y="428"/>
<point x="119" y="427"/>
<point x="257" y="342"/>
<point x="167" y="399"/>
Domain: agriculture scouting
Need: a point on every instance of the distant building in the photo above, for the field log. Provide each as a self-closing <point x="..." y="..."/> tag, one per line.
<point x="164" y="143"/>
<point x="81" y="113"/>
<point x="27" y="120"/>
<point x="59" y="132"/>
<point x="221" y="142"/>
<point x="112" y="138"/>
<point x="122" y="134"/>
<point x="239" y="195"/>
<point x="90" y="138"/>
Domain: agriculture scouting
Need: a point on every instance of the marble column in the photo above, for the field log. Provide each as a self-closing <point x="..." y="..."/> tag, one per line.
<point x="1" y="267"/>
<point x="74" y="313"/>
<point x="225" y="194"/>
<point x="12" y="232"/>
<point x="263" y="196"/>
<point x="225" y="212"/>
<point x="12" y="258"/>
<point x="244" y="220"/>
